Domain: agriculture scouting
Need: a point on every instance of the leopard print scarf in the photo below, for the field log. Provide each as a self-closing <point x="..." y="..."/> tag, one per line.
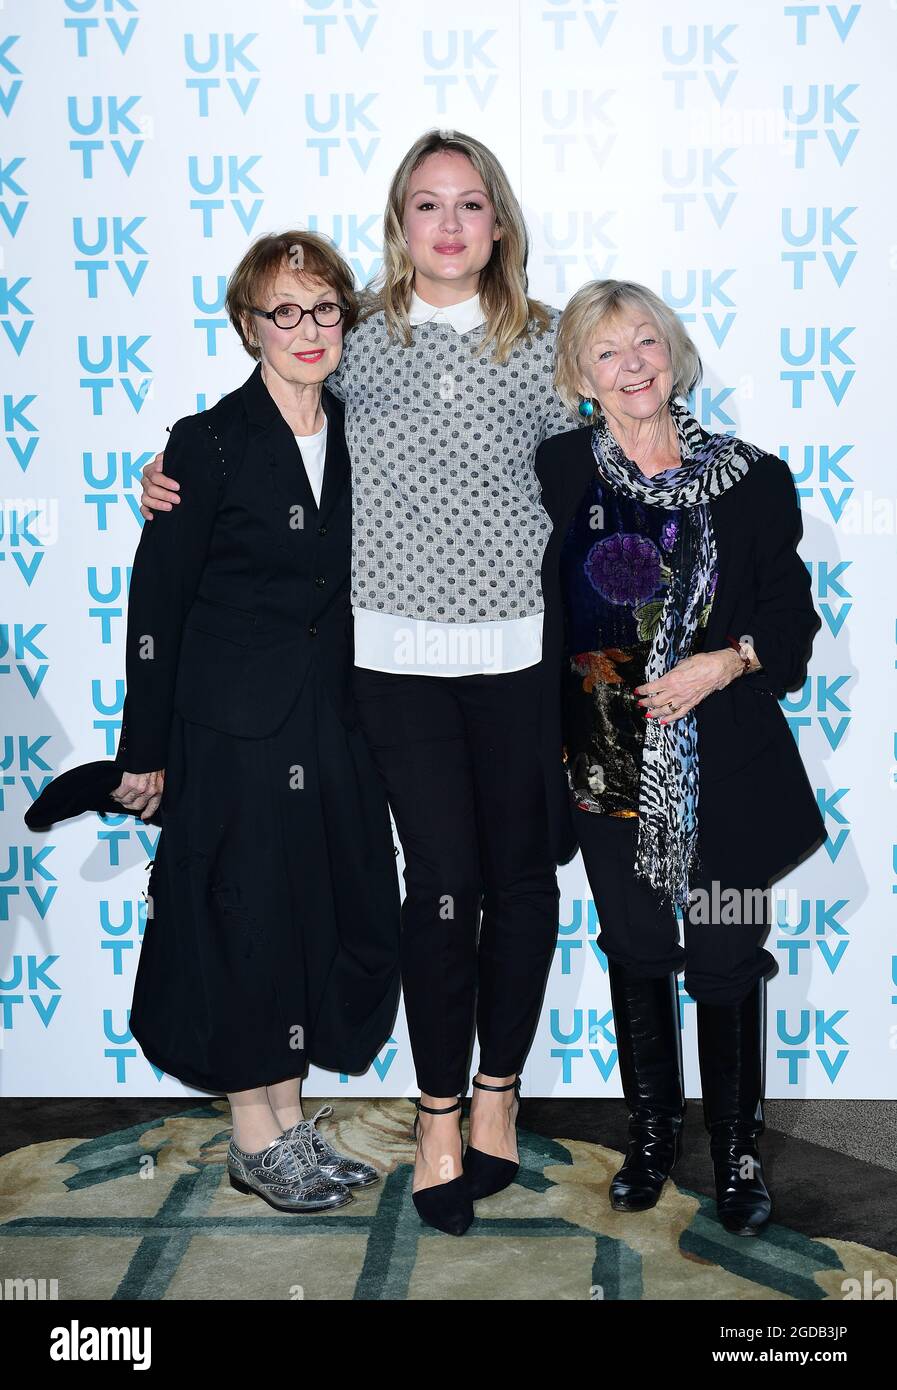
<point x="669" y="780"/>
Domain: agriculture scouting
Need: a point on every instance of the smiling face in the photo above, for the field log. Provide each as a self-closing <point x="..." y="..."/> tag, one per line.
<point x="307" y="353"/>
<point x="627" y="366"/>
<point x="450" y="225"/>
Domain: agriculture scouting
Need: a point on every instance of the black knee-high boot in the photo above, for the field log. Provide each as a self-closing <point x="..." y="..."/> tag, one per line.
<point x="649" y="1047"/>
<point x="731" y="1047"/>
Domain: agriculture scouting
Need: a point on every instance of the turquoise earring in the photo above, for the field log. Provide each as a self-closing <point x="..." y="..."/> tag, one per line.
<point x="586" y="409"/>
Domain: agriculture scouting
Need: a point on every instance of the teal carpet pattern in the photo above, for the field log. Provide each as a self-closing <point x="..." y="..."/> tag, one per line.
<point x="147" y="1213"/>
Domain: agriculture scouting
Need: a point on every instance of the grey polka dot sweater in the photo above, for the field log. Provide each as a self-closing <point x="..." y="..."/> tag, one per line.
<point x="447" y="523"/>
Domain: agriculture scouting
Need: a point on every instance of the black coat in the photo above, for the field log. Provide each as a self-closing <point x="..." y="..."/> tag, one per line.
<point x="757" y="813"/>
<point x="270" y="910"/>
<point x="238" y="589"/>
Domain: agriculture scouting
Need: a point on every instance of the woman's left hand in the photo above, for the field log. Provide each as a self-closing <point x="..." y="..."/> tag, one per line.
<point x="140" y="792"/>
<point x="673" y="695"/>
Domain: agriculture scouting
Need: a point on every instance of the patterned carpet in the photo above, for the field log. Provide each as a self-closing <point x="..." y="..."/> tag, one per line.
<point x="146" y="1212"/>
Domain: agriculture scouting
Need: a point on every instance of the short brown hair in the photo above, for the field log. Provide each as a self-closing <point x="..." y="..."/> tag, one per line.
<point x="306" y="253"/>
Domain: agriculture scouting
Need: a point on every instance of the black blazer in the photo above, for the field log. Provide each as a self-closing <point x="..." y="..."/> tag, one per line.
<point x="747" y="756"/>
<point x="244" y="584"/>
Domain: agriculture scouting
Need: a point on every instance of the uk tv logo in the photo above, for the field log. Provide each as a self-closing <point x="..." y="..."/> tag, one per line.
<point x="102" y="125"/>
<point x="29" y="981"/>
<point x="811" y="930"/>
<point x="460" y="60"/>
<point x="816" y="357"/>
<point x="9" y="94"/>
<point x="577" y="126"/>
<point x="334" y="20"/>
<point x="224" y="183"/>
<point x="822" y="702"/>
<point x="356" y="236"/>
<point x="11" y="186"/>
<point x="583" y="1039"/>
<point x="114" y="364"/>
<point x="701" y="62"/>
<point x="224" y="72"/>
<point x="821" y="472"/>
<point x="121" y="930"/>
<point x="93" y="21"/>
<point x="579" y="245"/>
<point x="109" y="246"/>
<point x="579" y="935"/>
<point x="821" y="119"/>
<point x="343" y="123"/>
<point x="16" y="314"/>
<point x="808" y="1037"/>
<point x="702" y="296"/>
<point x="27" y="526"/>
<point x="211" y="320"/>
<point x="816" y="238"/>
<point x="22" y="762"/>
<point x="111" y="479"/>
<point x="19" y="647"/>
<point x="15" y="418"/>
<point x="27" y="870"/>
<point x="107" y="594"/>
<point x="579" y="23"/>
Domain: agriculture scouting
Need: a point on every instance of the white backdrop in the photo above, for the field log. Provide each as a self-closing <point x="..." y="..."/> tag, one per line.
<point x="736" y="157"/>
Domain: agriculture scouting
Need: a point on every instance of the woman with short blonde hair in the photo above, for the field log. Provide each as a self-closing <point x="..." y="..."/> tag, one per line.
<point x="677" y="610"/>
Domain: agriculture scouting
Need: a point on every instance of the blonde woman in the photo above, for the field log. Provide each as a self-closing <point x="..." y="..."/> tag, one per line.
<point x="448" y="388"/>
<point x="677" y="612"/>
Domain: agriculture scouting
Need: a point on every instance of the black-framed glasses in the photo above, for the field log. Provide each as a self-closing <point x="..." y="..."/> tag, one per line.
<point x="325" y="315"/>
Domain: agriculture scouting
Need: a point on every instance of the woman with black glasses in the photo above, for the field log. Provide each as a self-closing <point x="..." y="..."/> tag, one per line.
<point x="273" y="933"/>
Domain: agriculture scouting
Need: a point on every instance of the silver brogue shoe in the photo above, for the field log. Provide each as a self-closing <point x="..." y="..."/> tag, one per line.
<point x="350" y="1171"/>
<point x="286" y="1176"/>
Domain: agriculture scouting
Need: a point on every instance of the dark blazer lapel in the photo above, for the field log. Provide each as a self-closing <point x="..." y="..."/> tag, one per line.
<point x="732" y="518"/>
<point x="565" y="476"/>
<point x="336" y="459"/>
<point x="272" y="436"/>
<point x="288" y="474"/>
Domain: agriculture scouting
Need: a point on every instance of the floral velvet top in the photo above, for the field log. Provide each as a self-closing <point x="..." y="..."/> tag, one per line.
<point x="618" y="559"/>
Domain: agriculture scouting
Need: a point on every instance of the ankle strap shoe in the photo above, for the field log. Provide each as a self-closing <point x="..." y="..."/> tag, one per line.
<point x="446" y="1206"/>
<point x="487" y="1173"/>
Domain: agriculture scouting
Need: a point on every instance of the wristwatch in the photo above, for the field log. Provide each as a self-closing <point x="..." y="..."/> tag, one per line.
<point x="746" y="660"/>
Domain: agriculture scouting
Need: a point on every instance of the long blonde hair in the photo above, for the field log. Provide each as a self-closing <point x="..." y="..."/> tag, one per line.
<point x="510" y="313"/>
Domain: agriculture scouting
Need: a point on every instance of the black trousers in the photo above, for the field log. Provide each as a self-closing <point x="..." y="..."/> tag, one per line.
<point x="722" y="958"/>
<point x="459" y="759"/>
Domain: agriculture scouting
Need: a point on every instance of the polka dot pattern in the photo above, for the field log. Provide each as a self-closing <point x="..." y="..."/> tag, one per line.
<point x="447" y="523"/>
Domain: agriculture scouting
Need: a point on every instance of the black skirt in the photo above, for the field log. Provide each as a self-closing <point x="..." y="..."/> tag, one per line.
<point x="272" y="936"/>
